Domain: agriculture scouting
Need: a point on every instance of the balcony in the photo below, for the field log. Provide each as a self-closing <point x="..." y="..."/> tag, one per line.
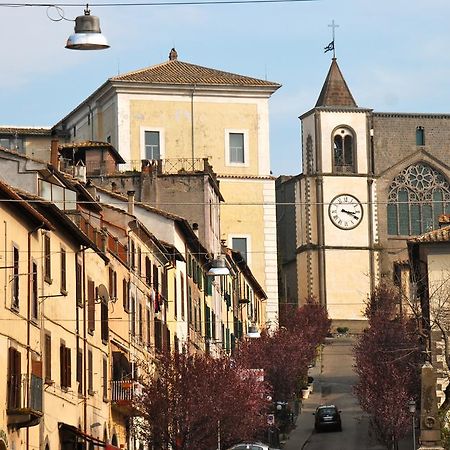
<point x="124" y="395"/>
<point x="22" y="413"/>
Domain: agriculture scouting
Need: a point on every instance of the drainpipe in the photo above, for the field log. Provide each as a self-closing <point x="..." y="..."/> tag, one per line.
<point x="83" y="299"/>
<point x="30" y="281"/>
<point x="192" y="122"/>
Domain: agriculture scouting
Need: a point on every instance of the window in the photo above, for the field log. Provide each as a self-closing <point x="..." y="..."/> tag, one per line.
<point x="175" y="296"/>
<point x="152" y="149"/>
<point x="125" y="294"/>
<point x="240" y="244"/>
<point x="148" y="271"/>
<point x="80" y="370"/>
<point x="140" y="322"/>
<point x="63" y="272"/>
<point x="79" y="281"/>
<point x="14" y="378"/>
<point x="91" y="306"/>
<point x="13" y="143"/>
<point x="139" y="262"/>
<point x="420" y="136"/>
<point x="47" y="259"/>
<point x="237" y="148"/>
<point x="15" y="279"/>
<point x="34" y="291"/>
<point x="104" y="328"/>
<point x="155" y="278"/>
<point x="90" y="372"/>
<point x="105" y="379"/>
<point x="133" y="316"/>
<point x="48" y="357"/>
<point x="65" y="366"/>
<point x="112" y="284"/>
<point x="343" y="151"/>
<point x="182" y="296"/>
<point x="149" y="330"/>
<point x="132" y="255"/>
<point x="158" y="335"/>
<point x="417" y="196"/>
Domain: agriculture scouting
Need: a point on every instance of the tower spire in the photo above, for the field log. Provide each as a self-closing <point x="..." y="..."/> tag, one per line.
<point x="335" y="91"/>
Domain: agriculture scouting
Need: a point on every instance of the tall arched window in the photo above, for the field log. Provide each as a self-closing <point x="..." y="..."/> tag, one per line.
<point x="417" y="196"/>
<point x="343" y="151"/>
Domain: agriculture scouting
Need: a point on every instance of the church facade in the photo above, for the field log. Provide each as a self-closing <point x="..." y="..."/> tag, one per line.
<point x="370" y="181"/>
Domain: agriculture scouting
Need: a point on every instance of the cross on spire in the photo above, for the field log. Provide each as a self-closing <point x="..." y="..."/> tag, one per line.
<point x="332" y="46"/>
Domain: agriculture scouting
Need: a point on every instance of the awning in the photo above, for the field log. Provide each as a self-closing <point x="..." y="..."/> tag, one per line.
<point x="70" y="429"/>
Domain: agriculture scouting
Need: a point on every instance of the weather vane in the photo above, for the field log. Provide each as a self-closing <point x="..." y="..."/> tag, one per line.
<point x="330" y="47"/>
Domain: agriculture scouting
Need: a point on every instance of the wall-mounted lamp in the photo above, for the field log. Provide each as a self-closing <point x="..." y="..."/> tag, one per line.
<point x="88" y="35"/>
<point x="218" y="267"/>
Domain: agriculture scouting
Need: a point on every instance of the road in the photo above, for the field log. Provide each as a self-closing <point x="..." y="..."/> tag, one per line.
<point x="333" y="382"/>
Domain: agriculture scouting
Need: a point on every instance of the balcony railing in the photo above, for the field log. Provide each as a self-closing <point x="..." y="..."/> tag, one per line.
<point x="125" y="391"/>
<point x="23" y="413"/>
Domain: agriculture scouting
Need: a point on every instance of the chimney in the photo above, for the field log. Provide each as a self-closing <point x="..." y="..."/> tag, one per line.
<point x="130" y="202"/>
<point x="195" y="228"/>
<point x="54" y="154"/>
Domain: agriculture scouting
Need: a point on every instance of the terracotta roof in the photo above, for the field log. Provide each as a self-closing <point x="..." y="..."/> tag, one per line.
<point x="439" y="235"/>
<point x="41" y="131"/>
<point x="182" y="73"/>
<point x="335" y="91"/>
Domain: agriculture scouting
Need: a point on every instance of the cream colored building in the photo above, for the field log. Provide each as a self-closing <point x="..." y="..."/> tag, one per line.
<point x="179" y="110"/>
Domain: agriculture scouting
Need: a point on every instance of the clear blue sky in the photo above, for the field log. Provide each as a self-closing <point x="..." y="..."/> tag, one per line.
<point x="395" y="56"/>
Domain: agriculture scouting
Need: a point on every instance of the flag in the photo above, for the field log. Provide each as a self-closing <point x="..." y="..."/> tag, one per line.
<point x="329" y="47"/>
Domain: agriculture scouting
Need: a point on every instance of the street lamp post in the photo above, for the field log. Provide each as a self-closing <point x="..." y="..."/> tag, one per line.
<point x="412" y="410"/>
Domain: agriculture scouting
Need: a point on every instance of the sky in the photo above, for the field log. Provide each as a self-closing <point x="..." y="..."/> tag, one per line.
<point x="393" y="54"/>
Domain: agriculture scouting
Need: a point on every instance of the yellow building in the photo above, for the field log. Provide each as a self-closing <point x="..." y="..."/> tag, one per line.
<point x="179" y="110"/>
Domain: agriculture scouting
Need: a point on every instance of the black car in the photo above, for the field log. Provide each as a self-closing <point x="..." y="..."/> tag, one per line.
<point x="327" y="417"/>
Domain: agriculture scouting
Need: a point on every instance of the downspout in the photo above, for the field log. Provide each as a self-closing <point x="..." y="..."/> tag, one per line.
<point x="91" y="118"/>
<point x="30" y="281"/>
<point x="192" y="123"/>
<point x="370" y="208"/>
<point x="83" y="294"/>
<point x="5" y="290"/>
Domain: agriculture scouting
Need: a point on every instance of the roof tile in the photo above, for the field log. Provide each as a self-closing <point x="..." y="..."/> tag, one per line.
<point x="178" y="72"/>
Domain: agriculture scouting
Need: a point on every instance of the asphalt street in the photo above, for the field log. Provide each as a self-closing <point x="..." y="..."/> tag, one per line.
<point x="333" y="383"/>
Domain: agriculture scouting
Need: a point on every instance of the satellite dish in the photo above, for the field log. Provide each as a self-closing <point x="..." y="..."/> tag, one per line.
<point x="102" y="294"/>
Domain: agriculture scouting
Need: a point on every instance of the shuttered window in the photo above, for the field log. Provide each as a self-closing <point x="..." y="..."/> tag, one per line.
<point x="91" y="306"/>
<point x="65" y="366"/>
<point x="125" y="295"/>
<point x="14" y="378"/>
<point x="48" y="357"/>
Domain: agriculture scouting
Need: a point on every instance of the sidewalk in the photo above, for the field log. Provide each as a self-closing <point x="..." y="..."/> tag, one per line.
<point x="304" y="425"/>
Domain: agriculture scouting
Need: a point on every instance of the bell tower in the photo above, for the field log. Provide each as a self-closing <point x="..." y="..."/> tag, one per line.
<point x="336" y="237"/>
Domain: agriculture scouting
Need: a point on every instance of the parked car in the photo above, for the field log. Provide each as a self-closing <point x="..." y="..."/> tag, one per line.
<point x="327" y="417"/>
<point x="251" y="446"/>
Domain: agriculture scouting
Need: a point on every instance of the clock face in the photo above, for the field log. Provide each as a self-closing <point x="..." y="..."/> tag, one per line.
<point x="345" y="211"/>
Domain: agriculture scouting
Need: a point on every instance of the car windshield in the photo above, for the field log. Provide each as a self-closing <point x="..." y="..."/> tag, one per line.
<point x="327" y="411"/>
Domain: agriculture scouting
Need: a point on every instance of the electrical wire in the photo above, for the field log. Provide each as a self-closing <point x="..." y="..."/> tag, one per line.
<point x="141" y="4"/>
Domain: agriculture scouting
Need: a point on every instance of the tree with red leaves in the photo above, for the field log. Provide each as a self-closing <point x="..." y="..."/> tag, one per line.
<point x="388" y="363"/>
<point x="192" y="401"/>
<point x="284" y="354"/>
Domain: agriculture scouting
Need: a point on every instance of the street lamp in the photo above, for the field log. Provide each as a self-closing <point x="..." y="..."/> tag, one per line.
<point x="412" y="410"/>
<point x="87" y="35"/>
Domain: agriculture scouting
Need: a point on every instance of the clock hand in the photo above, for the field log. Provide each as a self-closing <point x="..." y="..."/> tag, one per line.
<point x="353" y="214"/>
